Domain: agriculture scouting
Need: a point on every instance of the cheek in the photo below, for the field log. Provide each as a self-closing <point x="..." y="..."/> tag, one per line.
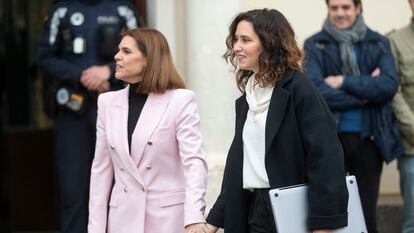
<point x="139" y="65"/>
<point x="256" y="57"/>
<point x="258" y="51"/>
<point x="140" y="62"/>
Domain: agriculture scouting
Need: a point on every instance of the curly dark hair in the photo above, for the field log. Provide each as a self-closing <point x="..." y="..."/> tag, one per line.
<point x="280" y="49"/>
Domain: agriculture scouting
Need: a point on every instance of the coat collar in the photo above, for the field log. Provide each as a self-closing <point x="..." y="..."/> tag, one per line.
<point x="330" y="48"/>
<point x="276" y="112"/>
<point x="324" y="37"/>
<point x="121" y="100"/>
<point x="277" y="109"/>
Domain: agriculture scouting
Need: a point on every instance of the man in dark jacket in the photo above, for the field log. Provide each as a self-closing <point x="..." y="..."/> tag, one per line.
<point x="76" y="50"/>
<point x="352" y="67"/>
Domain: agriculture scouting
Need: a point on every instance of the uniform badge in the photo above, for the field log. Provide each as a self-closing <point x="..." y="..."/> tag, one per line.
<point x="62" y="96"/>
<point x="79" y="45"/>
<point x="77" y="18"/>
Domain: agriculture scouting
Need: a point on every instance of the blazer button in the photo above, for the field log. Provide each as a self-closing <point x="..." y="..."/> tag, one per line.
<point x="149" y="166"/>
<point x="149" y="142"/>
<point x="121" y="169"/>
<point x="112" y="147"/>
<point x="142" y="188"/>
<point x="125" y="189"/>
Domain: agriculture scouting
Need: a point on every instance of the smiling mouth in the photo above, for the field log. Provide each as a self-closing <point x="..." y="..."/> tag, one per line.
<point x="340" y="19"/>
<point x="240" y="57"/>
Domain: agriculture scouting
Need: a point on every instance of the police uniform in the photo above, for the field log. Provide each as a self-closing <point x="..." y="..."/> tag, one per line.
<point x="79" y="34"/>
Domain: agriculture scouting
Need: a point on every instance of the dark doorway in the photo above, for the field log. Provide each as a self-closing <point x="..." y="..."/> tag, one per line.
<point x="28" y="183"/>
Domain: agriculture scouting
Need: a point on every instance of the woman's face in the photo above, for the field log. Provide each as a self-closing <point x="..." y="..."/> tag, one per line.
<point x="412" y="7"/>
<point x="247" y="46"/>
<point x="130" y="62"/>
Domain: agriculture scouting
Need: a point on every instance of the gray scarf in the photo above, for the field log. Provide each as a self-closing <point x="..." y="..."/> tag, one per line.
<point x="346" y="39"/>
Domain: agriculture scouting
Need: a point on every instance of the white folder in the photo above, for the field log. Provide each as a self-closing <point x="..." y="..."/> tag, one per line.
<point x="290" y="209"/>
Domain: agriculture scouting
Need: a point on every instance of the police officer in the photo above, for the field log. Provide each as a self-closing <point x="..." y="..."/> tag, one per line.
<point x="76" y="51"/>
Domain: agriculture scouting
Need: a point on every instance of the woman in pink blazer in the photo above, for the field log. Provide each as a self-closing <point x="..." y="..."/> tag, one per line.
<point x="149" y="166"/>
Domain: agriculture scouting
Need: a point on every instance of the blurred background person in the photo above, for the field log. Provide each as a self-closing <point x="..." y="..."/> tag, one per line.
<point x="75" y="54"/>
<point x="352" y="67"/>
<point x="161" y="177"/>
<point x="402" y="45"/>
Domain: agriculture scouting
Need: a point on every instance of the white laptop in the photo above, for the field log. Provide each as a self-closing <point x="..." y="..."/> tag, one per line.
<point x="290" y="209"/>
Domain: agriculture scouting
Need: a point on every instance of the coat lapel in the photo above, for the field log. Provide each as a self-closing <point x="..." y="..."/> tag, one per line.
<point x="148" y="121"/>
<point x="241" y="112"/>
<point x="119" y="119"/>
<point x="150" y="116"/>
<point x="328" y="50"/>
<point x="326" y="44"/>
<point x="277" y="110"/>
<point x="119" y="116"/>
<point x="276" y="113"/>
<point x="235" y="155"/>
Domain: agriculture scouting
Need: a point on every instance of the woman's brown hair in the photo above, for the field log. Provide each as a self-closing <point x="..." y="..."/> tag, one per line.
<point x="279" y="47"/>
<point x="159" y="73"/>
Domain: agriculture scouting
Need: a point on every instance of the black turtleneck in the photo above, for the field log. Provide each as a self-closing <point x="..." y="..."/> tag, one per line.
<point x="136" y="102"/>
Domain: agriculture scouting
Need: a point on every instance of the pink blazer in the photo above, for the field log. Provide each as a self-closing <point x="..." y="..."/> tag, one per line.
<point x="160" y="186"/>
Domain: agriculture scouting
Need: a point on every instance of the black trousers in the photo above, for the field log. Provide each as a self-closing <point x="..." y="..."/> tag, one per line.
<point x="260" y="215"/>
<point x="364" y="161"/>
<point x="75" y="146"/>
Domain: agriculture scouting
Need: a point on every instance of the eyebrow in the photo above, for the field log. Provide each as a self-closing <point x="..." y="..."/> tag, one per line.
<point x="125" y="48"/>
<point x="242" y="36"/>
<point x="340" y="6"/>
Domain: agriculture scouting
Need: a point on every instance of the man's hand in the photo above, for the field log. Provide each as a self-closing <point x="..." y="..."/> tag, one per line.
<point x="196" y="228"/>
<point x="104" y="87"/>
<point x="95" y="78"/>
<point x="321" y="231"/>
<point x="334" y="82"/>
<point x="376" y="72"/>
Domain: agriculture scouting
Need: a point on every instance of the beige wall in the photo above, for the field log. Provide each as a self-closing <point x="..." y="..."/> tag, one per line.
<point x="307" y="16"/>
<point x="381" y="15"/>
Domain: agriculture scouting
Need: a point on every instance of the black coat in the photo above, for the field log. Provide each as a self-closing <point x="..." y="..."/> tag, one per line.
<point x="301" y="147"/>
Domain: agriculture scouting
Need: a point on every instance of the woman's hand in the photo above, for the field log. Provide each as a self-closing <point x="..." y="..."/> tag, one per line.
<point x="211" y="228"/>
<point x="322" y="231"/>
<point x="196" y="228"/>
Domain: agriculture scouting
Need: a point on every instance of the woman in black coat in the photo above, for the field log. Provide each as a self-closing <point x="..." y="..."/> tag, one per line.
<point x="285" y="133"/>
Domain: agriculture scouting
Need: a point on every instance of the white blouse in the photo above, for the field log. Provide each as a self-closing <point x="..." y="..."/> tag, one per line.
<point x="254" y="171"/>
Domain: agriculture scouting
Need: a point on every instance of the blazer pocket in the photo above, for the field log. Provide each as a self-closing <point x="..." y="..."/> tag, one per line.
<point x="163" y="131"/>
<point x="164" y="128"/>
<point x="171" y="198"/>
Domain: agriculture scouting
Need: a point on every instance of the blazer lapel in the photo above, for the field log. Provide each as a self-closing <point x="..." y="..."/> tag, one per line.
<point x="277" y="110"/>
<point x="119" y="119"/>
<point x="148" y="120"/>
